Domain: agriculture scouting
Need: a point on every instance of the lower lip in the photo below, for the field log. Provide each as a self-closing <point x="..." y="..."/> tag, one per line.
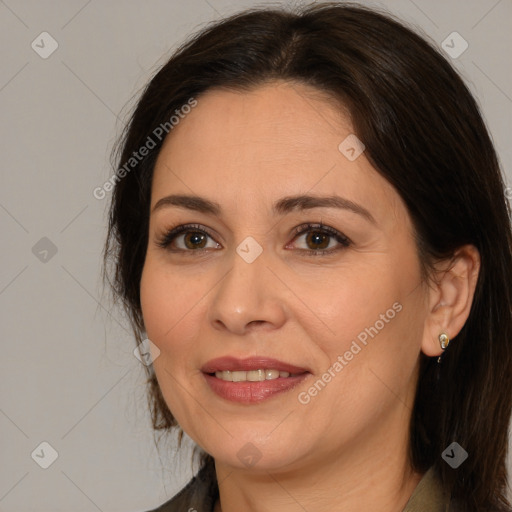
<point x="252" y="392"/>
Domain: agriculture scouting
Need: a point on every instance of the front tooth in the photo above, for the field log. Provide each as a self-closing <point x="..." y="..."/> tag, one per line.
<point x="256" y="375"/>
<point x="251" y="376"/>
<point x="271" y="374"/>
<point x="239" y="376"/>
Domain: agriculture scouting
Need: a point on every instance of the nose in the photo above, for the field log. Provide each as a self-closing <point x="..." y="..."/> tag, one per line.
<point x="248" y="297"/>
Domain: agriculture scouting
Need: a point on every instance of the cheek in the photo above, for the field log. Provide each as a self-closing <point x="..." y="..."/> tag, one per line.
<point x="166" y="302"/>
<point x="169" y="303"/>
<point x="351" y="303"/>
<point x="154" y="298"/>
<point x="371" y="363"/>
<point x="174" y="308"/>
<point x="375" y="326"/>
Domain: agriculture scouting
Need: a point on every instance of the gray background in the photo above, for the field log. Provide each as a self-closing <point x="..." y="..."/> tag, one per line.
<point x="69" y="376"/>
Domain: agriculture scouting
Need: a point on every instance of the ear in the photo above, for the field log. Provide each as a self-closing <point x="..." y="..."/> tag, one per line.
<point x="450" y="298"/>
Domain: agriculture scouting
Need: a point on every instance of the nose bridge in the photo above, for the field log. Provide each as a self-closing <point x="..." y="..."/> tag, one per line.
<point x="245" y="294"/>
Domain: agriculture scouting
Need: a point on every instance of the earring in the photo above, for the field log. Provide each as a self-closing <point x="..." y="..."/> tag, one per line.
<point x="444" y="341"/>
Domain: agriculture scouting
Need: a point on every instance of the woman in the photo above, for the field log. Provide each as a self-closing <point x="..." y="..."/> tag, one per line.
<point x="309" y="225"/>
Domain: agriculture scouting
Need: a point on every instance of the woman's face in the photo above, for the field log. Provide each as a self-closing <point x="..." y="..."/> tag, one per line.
<point x="243" y="290"/>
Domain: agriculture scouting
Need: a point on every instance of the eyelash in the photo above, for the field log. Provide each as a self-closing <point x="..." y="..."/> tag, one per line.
<point x="173" y="233"/>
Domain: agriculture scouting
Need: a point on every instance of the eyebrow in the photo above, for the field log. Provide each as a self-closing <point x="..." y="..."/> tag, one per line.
<point x="281" y="207"/>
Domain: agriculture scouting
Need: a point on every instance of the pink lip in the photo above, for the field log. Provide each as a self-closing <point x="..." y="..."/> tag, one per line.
<point x="251" y="392"/>
<point x="252" y="363"/>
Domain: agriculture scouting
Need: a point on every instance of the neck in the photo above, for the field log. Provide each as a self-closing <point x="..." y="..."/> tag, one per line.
<point x="366" y="476"/>
<point x="319" y="493"/>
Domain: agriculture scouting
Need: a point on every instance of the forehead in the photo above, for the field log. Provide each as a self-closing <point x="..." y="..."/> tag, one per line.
<point x="278" y="116"/>
<point x="254" y="146"/>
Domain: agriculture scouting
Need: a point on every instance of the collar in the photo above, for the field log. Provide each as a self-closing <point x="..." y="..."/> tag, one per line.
<point x="428" y="495"/>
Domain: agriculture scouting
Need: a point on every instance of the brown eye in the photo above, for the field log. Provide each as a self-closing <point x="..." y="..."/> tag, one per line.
<point x="186" y="238"/>
<point x="195" y="239"/>
<point x="320" y="239"/>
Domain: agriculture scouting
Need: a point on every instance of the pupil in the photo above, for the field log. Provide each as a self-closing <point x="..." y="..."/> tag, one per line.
<point x="194" y="238"/>
<point x="317" y="239"/>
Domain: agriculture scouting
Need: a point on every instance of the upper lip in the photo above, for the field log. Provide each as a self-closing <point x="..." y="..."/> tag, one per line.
<point x="230" y="363"/>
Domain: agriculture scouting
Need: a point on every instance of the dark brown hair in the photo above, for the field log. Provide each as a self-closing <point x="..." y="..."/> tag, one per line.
<point x="424" y="133"/>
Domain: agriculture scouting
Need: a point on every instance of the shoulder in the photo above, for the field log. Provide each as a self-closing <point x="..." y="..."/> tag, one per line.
<point x="199" y="495"/>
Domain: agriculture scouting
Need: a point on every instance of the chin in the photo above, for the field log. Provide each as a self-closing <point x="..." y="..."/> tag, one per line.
<point x="248" y="454"/>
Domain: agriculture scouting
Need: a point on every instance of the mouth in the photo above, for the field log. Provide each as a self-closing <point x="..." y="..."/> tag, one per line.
<point x="254" y="375"/>
<point x="251" y="380"/>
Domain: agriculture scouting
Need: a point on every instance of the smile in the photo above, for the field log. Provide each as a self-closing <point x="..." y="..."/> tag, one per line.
<point x="253" y="375"/>
<point x="251" y="380"/>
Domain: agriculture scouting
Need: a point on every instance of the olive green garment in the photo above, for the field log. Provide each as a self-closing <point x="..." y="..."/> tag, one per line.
<point x="201" y="494"/>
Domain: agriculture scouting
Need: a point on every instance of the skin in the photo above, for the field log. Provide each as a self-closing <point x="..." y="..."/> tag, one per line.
<point x="246" y="150"/>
